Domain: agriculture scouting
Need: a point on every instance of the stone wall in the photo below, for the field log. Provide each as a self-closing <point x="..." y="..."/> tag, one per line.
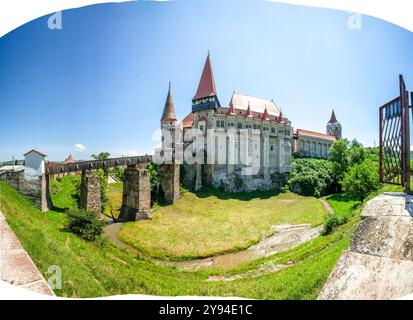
<point x="234" y="180"/>
<point x="31" y="187"/>
<point x="379" y="263"/>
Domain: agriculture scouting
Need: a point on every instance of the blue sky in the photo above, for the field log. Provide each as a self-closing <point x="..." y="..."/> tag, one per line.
<point x="102" y="80"/>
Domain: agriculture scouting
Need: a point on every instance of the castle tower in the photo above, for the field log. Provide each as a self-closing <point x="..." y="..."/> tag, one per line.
<point x="204" y="104"/>
<point x="206" y="95"/>
<point x="168" y="121"/>
<point x="334" y="127"/>
<point x="169" y="170"/>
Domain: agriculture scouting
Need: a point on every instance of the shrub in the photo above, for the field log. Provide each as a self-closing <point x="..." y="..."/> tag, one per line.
<point x="330" y="222"/>
<point x="361" y="179"/>
<point x="313" y="177"/>
<point x="84" y="223"/>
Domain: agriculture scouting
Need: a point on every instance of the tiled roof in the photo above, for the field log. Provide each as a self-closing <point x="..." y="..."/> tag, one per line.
<point x="38" y="152"/>
<point x="206" y="86"/>
<point x="257" y="105"/>
<point x="333" y="118"/>
<point x="188" y="120"/>
<point x="302" y="132"/>
<point x="169" y="109"/>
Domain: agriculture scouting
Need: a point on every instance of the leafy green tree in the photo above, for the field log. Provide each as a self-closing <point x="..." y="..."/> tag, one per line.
<point x="357" y="153"/>
<point x="312" y="177"/>
<point x="361" y="179"/>
<point x="339" y="156"/>
<point x="101" y="156"/>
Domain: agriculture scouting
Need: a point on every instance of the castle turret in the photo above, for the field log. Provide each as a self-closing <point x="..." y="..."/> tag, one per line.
<point x="168" y="121"/>
<point x="334" y="127"/>
<point x="206" y="94"/>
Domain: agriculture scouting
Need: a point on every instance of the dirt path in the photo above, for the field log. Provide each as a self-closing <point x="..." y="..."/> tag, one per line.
<point x="326" y="205"/>
<point x="284" y="238"/>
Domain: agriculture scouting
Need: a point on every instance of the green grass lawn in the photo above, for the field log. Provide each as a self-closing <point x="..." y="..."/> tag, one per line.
<point x="65" y="192"/>
<point x="89" y="270"/>
<point x="212" y="222"/>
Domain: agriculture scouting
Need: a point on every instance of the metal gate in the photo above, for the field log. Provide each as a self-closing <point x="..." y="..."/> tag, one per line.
<point x="394" y="164"/>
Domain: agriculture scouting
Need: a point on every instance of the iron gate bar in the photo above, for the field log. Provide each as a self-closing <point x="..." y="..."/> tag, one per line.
<point x="394" y="161"/>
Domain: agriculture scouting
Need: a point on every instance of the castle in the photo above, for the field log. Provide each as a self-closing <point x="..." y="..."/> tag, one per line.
<point x="247" y="145"/>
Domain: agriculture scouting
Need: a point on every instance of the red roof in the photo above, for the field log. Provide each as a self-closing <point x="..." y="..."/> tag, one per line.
<point x="38" y="152"/>
<point x="231" y="111"/>
<point x="315" y="134"/>
<point x="206" y="87"/>
<point x="188" y="120"/>
<point x="249" y="114"/>
<point x="169" y="109"/>
<point x="69" y="159"/>
<point x="265" y="115"/>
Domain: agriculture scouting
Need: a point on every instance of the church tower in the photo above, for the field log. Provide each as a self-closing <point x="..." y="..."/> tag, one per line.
<point x="334" y="127"/>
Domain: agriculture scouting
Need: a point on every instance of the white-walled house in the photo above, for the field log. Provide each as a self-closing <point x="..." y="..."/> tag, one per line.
<point x="35" y="160"/>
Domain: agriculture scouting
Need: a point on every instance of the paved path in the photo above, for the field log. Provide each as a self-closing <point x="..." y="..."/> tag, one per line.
<point x="16" y="266"/>
<point x="379" y="262"/>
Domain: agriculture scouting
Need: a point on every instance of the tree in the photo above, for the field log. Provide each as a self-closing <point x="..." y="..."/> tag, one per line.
<point x="357" y="154"/>
<point x="361" y="179"/>
<point x="339" y="156"/>
<point x="313" y="177"/>
<point x="101" y="156"/>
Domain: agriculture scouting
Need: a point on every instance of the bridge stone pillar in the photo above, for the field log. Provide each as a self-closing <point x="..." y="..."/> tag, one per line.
<point x="136" y="199"/>
<point x="90" y="198"/>
<point x="46" y="200"/>
<point x="169" y="180"/>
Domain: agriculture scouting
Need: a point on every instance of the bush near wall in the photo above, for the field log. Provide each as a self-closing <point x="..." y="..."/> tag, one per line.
<point x="311" y="177"/>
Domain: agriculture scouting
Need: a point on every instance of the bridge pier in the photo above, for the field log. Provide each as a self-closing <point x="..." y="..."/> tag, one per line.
<point x="136" y="199"/>
<point x="90" y="198"/>
<point x="169" y="180"/>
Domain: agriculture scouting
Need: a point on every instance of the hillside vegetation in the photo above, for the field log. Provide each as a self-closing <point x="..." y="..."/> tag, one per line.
<point x="92" y="270"/>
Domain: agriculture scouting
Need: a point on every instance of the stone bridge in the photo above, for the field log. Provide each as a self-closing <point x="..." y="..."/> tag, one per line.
<point x="136" y="199"/>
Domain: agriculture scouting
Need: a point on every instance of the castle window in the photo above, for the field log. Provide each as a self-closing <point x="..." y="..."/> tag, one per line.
<point x="272" y="148"/>
<point x="201" y="127"/>
<point x="222" y="124"/>
<point x="239" y="125"/>
<point x="255" y="126"/>
<point x="281" y="131"/>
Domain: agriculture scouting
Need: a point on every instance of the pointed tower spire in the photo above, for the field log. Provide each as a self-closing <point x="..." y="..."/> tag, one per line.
<point x="333" y="118"/>
<point x="169" y="109"/>
<point x="206" y="86"/>
<point x="248" y="114"/>
<point x="280" y="117"/>
<point x="265" y="115"/>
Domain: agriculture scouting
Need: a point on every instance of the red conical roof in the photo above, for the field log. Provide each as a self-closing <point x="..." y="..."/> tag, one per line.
<point x="280" y="117"/>
<point x="333" y="118"/>
<point x="169" y="109"/>
<point x="206" y="86"/>
<point x="248" y="114"/>
<point x="231" y="111"/>
<point x="265" y="115"/>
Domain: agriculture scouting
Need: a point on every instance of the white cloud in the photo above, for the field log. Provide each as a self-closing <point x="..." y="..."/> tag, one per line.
<point x="80" y="147"/>
<point x="411" y="148"/>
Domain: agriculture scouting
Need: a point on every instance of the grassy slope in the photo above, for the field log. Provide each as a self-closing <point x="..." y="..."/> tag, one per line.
<point x="64" y="192"/>
<point x="209" y="223"/>
<point x="90" y="271"/>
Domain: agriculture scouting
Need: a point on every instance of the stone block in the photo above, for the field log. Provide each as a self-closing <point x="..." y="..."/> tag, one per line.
<point x="358" y="276"/>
